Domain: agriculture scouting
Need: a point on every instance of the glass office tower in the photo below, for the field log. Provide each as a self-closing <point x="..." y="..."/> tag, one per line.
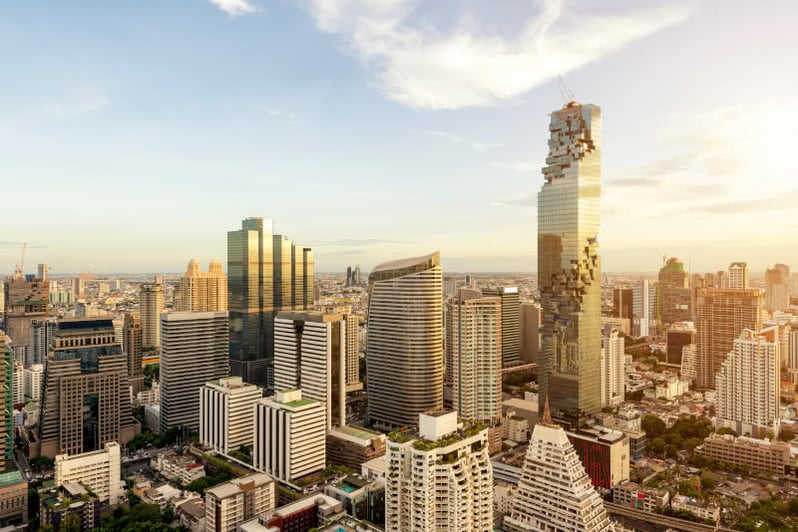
<point x="569" y="275"/>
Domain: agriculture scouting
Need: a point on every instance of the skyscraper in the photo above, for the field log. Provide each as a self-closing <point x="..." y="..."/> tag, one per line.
<point x="748" y="384"/>
<point x="613" y="373"/>
<point x="644" y="297"/>
<point x="202" y="291"/>
<point x="25" y="303"/>
<point x="193" y="352"/>
<point x="86" y="400"/>
<point x="738" y="276"/>
<point x="554" y="488"/>
<point x="622" y="301"/>
<point x="530" y="332"/>
<point x="473" y="355"/>
<point x="133" y="348"/>
<point x="511" y="323"/>
<point x="569" y="272"/>
<point x="721" y="315"/>
<point x="7" y="413"/>
<point x="673" y="296"/>
<point x="404" y="351"/>
<point x="310" y="353"/>
<point x="439" y="478"/>
<point x="777" y="288"/>
<point x="266" y="273"/>
<point x="150" y="308"/>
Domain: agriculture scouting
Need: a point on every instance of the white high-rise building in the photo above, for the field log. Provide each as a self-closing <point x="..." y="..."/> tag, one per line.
<point x="226" y="413"/>
<point x="473" y="353"/>
<point x="554" y="491"/>
<point x="404" y="349"/>
<point x="100" y="471"/>
<point x="310" y="354"/>
<point x="439" y="477"/>
<point x="33" y="378"/>
<point x="738" y="275"/>
<point x="241" y="499"/>
<point x="644" y="297"/>
<point x="194" y="350"/>
<point x="613" y="368"/>
<point x="290" y="432"/>
<point x="18" y="384"/>
<point x="353" y="353"/>
<point x="748" y="384"/>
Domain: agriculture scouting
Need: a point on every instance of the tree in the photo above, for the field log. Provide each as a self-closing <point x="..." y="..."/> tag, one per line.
<point x="786" y="435"/>
<point x="657" y="445"/>
<point x="47" y="527"/>
<point x="727" y="430"/>
<point x="71" y="523"/>
<point x="653" y="426"/>
<point x="671" y="451"/>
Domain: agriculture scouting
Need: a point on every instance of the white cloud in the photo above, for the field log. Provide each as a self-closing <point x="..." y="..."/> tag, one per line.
<point x="477" y="145"/>
<point x="425" y="67"/>
<point x="77" y="106"/>
<point x="235" y="7"/>
<point x="273" y="111"/>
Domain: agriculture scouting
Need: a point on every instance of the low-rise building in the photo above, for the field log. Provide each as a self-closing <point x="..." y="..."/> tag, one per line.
<point x="604" y="454"/>
<point x="183" y="469"/>
<point x="242" y="499"/>
<point x="305" y="514"/>
<point x="701" y="509"/>
<point x="191" y="515"/>
<point x="640" y="497"/>
<point x="503" y="495"/>
<point x="352" y="446"/>
<point x="98" y="470"/>
<point x="759" y="456"/>
<point x="361" y="498"/>
<point x="13" y="499"/>
<point x="71" y="498"/>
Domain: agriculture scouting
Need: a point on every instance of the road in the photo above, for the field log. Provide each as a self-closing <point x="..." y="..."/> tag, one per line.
<point x="660" y="520"/>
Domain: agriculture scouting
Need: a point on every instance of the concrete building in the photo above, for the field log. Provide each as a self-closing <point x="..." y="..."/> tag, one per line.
<point x="230" y="504"/>
<point x="404" y="349"/>
<point x="510" y="323"/>
<point x="98" y="470"/>
<point x="759" y="456"/>
<point x="738" y="276"/>
<point x="604" y="454"/>
<point x="86" y="400"/>
<point x="13" y="499"/>
<point x="353" y="383"/>
<point x="622" y="302"/>
<point x="226" y="414"/>
<point x="554" y="487"/>
<point x="71" y="498"/>
<point x="613" y="368"/>
<point x="266" y="273"/>
<point x="777" y="288"/>
<point x="439" y="477"/>
<point x="150" y="308"/>
<point x="720" y="317"/>
<point x="352" y="446"/>
<point x="200" y="291"/>
<point x="33" y="378"/>
<point x="194" y="350"/>
<point x="308" y="513"/>
<point x="310" y="353"/>
<point x="473" y="355"/>
<point x="184" y="468"/>
<point x="17" y="383"/>
<point x="644" y="305"/>
<point x="679" y="335"/>
<point x="7" y="410"/>
<point x="289" y="440"/>
<point x="748" y="385"/>
<point x="24" y="303"/>
<point x="673" y="296"/>
<point x="133" y="347"/>
<point x="640" y="497"/>
<point x="530" y="332"/>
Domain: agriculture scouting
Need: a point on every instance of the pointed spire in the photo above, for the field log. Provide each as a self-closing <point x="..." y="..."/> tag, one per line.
<point x="546" y="412"/>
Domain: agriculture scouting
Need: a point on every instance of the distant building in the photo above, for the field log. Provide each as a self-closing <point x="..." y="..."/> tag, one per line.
<point x="530" y="332"/>
<point x="24" y="303"/>
<point x="748" y="385"/>
<point x="98" y="470"/>
<point x="623" y="302"/>
<point x="738" y="276"/>
<point x="86" y="400"/>
<point x="673" y="292"/>
<point x="132" y="345"/>
<point x="200" y="291"/>
<point x="226" y="414"/>
<point x="777" y="288"/>
<point x="439" y="477"/>
<point x="679" y="335"/>
<point x="510" y="323"/>
<point x="404" y="351"/>
<point x="613" y="367"/>
<point x="230" y="504"/>
<point x="644" y="299"/>
<point x="194" y="351"/>
<point x="290" y="432"/>
<point x="150" y="308"/>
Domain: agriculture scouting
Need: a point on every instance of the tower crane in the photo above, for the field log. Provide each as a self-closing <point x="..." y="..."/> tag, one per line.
<point x="19" y="269"/>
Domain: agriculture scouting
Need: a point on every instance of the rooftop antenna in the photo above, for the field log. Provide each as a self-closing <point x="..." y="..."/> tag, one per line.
<point x="565" y="92"/>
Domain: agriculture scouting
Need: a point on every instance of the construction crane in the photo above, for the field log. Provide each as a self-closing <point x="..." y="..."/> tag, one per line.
<point x="19" y="269"/>
<point x="565" y="92"/>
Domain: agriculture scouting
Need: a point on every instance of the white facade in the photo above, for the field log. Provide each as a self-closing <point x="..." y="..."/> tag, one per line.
<point x="99" y="470"/>
<point x="290" y="436"/>
<point x="18" y="384"/>
<point x="230" y="504"/>
<point x="443" y="484"/>
<point x="644" y="298"/>
<point x="613" y="369"/>
<point x="738" y="275"/>
<point x="194" y="350"/>
<point x="33" y="382"/>
<point x="227" y="409"/>
<point x="748" y="384"/>
<point x="310" y="354"/>
<point x="554" y="487"/>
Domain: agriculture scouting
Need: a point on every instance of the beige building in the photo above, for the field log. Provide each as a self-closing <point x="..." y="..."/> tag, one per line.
<point x="759" y="456"/>
<point x="721" y="315"/>
<point x="230" y="504"/>
<point x="738" y="276"/>
<point x="226" y="413"/>
<point x="640" y="497"/>
<point x="439" y="477"/>
<point x="150" y="308"/>
<point x="202" y="291"/>
<point x="100" y="471"/>
<point x="133" y="348"/>
<point x="13" y="498"/>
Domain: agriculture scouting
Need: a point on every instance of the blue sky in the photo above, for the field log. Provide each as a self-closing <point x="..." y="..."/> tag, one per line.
<point x="134" y="135"/>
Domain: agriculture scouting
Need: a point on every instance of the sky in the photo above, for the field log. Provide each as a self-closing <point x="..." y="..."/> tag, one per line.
<point x="134" y="135"/>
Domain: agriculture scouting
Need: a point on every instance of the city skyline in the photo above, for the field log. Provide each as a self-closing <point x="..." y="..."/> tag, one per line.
<point x="247" y="107"/>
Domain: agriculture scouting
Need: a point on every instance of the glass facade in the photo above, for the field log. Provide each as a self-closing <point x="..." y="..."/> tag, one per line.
<point x="569" y="274"/>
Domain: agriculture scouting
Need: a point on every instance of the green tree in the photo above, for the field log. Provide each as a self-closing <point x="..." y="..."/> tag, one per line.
<point x="653" y="426"/>
<point x="671" y="451"/>
<point x="657" y="445"/>
<point x="47" y="527"/>
<point x="71" y="523"/>
<point x="786" y="435"/>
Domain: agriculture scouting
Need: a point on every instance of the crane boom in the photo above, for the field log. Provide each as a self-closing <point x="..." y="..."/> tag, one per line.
<point x="20" y="268"/>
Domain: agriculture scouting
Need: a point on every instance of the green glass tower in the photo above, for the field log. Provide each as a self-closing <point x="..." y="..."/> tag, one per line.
<point x="569" y="275"/>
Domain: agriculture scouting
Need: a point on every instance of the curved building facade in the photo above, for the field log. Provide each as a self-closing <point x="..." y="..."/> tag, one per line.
<point x="405" y="340"/>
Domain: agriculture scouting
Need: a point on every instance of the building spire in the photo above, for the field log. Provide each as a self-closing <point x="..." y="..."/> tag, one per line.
<point x="546" y="412"/>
